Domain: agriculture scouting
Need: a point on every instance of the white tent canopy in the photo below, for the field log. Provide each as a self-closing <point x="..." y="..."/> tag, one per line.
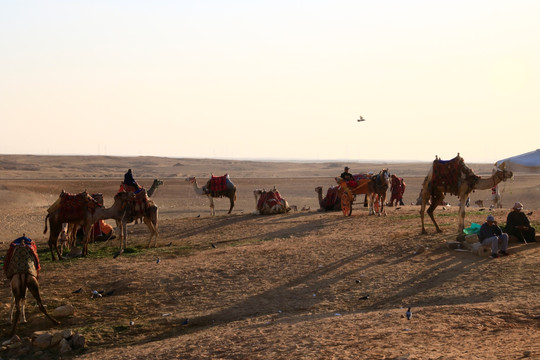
<point x="528" y="162"/>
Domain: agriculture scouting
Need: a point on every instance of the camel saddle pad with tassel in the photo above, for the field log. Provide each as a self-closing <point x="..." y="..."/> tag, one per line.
<point x="74" y="206"/>
<point x="331" y="196"/>
<point x="21" y="257"/>
<point x="271" y="198"/>
<point x="219" y="183"/>
<point x="446" y="173"/>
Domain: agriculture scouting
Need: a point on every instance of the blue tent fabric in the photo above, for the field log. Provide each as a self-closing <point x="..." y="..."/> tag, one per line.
<point x="528" y="162"/>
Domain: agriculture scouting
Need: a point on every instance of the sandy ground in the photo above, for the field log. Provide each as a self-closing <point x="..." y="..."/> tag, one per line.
<point x="306" y="285"/>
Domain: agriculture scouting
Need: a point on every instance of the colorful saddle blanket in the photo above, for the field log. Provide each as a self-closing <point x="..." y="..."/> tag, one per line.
<point x="74" y="206"/>
<point x="450" y="174"/>
<point x="22" y="257"/>
<point x="447" y="174"/>
<point x="271" y="198"/>
<point x="331" y="196"/>
<point x="217" y="185"/>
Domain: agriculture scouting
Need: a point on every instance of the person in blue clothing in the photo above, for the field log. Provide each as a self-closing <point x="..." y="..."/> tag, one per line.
<point x="490" y="234"/>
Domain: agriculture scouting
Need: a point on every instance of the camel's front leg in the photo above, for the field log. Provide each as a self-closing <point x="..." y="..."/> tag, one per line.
<point x="461" y="216"/>
<point x="212" y="209"/>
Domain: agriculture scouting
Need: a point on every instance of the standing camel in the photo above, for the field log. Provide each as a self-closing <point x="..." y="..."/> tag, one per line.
<point x="212" y="191"/>
<point x="21" y="266"/>
<point x="377" y="188"/>
<point x="456" y="178"/>
<point x="83" y="210"/>
<point x="137" y="206"/>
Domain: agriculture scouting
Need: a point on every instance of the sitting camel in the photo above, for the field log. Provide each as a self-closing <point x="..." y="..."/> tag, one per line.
<point x="215" y="187"/>
<point x="456" y="178"/>
<point x="377" y="188"/>
<point x="332" y="201"/>
<point x="21" y="266"/>
<point x="270" y="202"/>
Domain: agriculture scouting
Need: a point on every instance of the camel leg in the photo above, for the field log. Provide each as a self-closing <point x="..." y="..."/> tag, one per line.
<point x="462" y="214"/>
<point x="435" y="201"/>
<point x="23" y="312"/>
<point x="18" y="290"/>
<point x="33" y="286"/>
<point x="53" y="240"/>
<point x="152" y="226"/>
<point x="86" y="239"/>
<point x="212" y="209"/>
<point x="425" y="199"/>
<point x="231" y="199"/>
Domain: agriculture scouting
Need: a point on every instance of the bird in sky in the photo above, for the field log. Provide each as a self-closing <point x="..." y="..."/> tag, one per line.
<point x="361" y="119"/>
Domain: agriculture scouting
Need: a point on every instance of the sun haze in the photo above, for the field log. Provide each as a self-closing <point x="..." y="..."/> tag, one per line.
<point x="279" y="80"/>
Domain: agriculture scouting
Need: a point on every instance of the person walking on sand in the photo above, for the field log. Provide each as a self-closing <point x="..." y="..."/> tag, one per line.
<point x="490" y="233"/>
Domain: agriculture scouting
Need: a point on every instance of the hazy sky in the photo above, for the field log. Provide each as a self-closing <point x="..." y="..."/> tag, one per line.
<point x="271" y="79"/>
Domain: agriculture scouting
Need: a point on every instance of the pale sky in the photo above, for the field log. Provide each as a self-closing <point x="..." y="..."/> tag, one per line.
<point x="271" y="79"/>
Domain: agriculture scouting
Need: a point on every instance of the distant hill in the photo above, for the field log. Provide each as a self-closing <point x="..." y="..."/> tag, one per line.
<point x="62" y="167"/>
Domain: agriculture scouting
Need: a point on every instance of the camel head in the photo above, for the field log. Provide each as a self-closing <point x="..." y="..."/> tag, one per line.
<point x="503" y="174"/>
<point x="157" y="182"/>
<point x="99" y="198"/>
<point x="191" y="179"/>
<point x="318" y="189"/>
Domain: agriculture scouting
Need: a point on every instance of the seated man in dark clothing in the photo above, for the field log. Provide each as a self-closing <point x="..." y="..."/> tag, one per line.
<point x="346" y="175"/>
<point x="518" y="224"/>
<point x="490" y="233"/>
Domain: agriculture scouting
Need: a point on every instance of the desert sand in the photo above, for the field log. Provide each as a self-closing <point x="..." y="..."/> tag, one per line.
<point x="302" y="285"/>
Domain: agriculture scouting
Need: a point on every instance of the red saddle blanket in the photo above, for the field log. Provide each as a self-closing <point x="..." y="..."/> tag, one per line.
<point x="74" y="206"/>
<point x="22" y="257"/>
<point x="271" y="198"/>
<point x="331" y="196"/>
<point x="447" y="173"/>
<point x="218" y="183"/>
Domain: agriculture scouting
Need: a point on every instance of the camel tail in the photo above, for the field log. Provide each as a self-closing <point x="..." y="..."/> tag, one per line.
<point x="46" y="217"/>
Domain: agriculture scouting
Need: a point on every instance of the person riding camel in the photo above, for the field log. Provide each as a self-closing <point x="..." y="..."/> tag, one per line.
<point x="129" y="184"/>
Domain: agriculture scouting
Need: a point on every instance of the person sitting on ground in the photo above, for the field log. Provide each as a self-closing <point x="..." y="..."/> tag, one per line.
<point x="490" y="233"/>
<point x="518" y="224"/>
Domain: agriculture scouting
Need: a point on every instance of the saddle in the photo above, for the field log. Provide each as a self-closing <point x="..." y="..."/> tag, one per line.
<point x="72" y="207"/>
<point x="449" y="175"/>
<point x="272" y="198"/>
<point x="137" y="204"/>
<point x="22" y="257"/>
<point x="218" y="184"/>
<point x="331" y="196"/>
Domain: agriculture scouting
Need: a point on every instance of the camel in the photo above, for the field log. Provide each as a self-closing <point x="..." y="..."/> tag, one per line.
<point x="82" y="210"/>
<point x="455" y="177"/>
<point x="331" y="202"/>
<point x="229" y="191"/>
<point x="270" y="202"/>
<point x="21" y="265"/>
<point x="377" y="188"/>
<point x="137" y="206"/>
